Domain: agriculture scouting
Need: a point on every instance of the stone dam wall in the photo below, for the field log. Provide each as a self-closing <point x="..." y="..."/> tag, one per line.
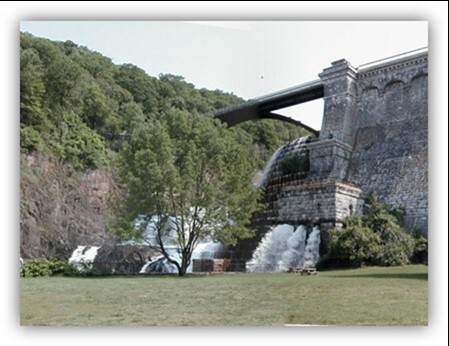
<point x="374" y="138"/>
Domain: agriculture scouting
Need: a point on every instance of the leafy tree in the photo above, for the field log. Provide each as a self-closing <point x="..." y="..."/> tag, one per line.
<point x="268" y="135"/>
<point x="60" y="78"/>
<point x="194" y="173"/>
<point x="375" y="239"/>
<point x="397" y="244"/>
<point x="140" y="85"/>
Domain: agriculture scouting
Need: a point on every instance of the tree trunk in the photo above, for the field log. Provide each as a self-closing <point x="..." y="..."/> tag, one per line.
<point x="182" y="272"/>
<point x="184" y="264"/>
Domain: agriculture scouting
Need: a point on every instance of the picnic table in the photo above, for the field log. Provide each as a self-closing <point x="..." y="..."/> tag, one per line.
<point x="303" y="271"/>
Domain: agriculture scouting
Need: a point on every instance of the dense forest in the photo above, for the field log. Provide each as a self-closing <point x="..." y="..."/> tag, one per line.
<point x="78" y="113"/>
<point x="79" y="107"/>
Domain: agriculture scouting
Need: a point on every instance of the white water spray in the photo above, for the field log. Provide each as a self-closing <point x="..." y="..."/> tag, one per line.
<point x="296" y="145"/>
<point x="283" y="248"/>
<point x="268" y="167"/>
<point x="83" y="257"/>
<point x="311" y="253"/>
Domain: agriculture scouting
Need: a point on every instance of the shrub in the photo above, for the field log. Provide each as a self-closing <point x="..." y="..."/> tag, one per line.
<point x="397" y="245"/>
<point x="375" y="239"/>
<point x="354" y="245"/>
<point x="420" y="250"/>
<point x="35" y="268"/>
<point x="42" y="267"/>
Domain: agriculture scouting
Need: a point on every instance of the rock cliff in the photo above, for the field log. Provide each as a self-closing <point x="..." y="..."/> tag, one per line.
<point x="61" y="208"/>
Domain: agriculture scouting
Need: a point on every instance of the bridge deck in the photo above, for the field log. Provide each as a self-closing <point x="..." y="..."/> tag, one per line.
<point x="262" y="107"/>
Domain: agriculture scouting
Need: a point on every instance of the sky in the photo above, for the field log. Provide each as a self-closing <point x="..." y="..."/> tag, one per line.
<point x="249" y="58"/>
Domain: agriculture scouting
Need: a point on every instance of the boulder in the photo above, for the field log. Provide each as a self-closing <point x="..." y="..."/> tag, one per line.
<point x="123" y="259"/>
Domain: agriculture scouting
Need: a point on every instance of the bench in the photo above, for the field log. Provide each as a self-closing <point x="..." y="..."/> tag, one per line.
<point x="302" y="271"/>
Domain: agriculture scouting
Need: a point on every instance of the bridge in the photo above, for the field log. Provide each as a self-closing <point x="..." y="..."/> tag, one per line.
<point x="263" y="107"/>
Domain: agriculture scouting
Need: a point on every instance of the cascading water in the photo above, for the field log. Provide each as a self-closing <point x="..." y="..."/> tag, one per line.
<point x="283" y="248"/>
<point x="295" y="146"/>
<point x="312" y="251"/>
<point x="83" y="257"/>
<point x="268" y="167"/>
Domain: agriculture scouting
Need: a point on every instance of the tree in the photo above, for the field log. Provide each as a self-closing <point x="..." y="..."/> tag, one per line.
<point x="192" y="173"/>
<point x="397" y="245"/>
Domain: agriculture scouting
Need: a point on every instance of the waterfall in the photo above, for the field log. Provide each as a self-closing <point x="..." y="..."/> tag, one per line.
<point x="312" y="251"/>
<point x="268" y="167"/>
<point x="83" y="257"/>
<point x="283" y="248"/>
<point x="296" y="145"/>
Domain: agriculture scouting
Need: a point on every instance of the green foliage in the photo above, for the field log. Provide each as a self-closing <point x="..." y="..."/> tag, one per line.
<point x="375" y="239"/>
<point x="420" y="250"/>
<point x="54" y="267"/>
<point x="40" y="267"/>
<point x="354" y="245"/>
<point x="78" y="107"/>
<point x="397" y="244"/>
<point x="196" y="169"/>
<point x="295" y="163"/>
<point x="268" y="135"/>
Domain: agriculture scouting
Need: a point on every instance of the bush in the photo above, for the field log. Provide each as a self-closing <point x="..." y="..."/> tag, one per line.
<point x="376" y="239"/>
<point x="42" y="267"/>
<point x="397" y="245"/>
<point x="354" y="245"/>
<point x="420" y="250"/>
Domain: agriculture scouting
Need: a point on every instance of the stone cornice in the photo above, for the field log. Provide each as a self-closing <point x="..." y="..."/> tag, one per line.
<point x="392" y="64"/>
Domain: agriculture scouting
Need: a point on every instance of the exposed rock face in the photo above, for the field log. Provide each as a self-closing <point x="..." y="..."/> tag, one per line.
<point x="61" y="209"/>
<point x="123" y="259"/>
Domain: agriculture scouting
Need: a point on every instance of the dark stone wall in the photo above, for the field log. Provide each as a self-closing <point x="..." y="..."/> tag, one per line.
<point x="389" y="156"/>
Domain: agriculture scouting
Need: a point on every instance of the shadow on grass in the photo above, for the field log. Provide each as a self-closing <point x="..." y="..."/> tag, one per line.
<point x="415" y="276"/>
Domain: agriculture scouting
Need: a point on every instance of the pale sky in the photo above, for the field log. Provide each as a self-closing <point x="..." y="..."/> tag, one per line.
<point x="249" y="59"/>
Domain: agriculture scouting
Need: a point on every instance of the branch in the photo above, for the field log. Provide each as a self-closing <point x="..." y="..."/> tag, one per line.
<point x="161" y="245"/>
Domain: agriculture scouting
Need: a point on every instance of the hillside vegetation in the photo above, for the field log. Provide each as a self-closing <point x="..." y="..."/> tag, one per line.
<point x="79" y="107"/>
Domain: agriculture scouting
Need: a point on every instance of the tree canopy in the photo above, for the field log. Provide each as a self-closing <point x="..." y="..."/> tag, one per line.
<point x="80" y="108"/>
<point x="193" y="174"/>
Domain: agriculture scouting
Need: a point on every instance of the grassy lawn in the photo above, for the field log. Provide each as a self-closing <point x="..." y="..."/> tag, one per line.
<point x="367" y="296"/>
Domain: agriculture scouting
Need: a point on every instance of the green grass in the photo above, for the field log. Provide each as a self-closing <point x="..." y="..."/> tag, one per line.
<point x="367" y="296"/>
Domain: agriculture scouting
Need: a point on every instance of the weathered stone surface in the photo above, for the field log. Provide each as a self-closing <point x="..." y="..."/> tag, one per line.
<point x="123" y="259"/>
<point x="61" y="209"/>
<point x="390" y="150"/>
